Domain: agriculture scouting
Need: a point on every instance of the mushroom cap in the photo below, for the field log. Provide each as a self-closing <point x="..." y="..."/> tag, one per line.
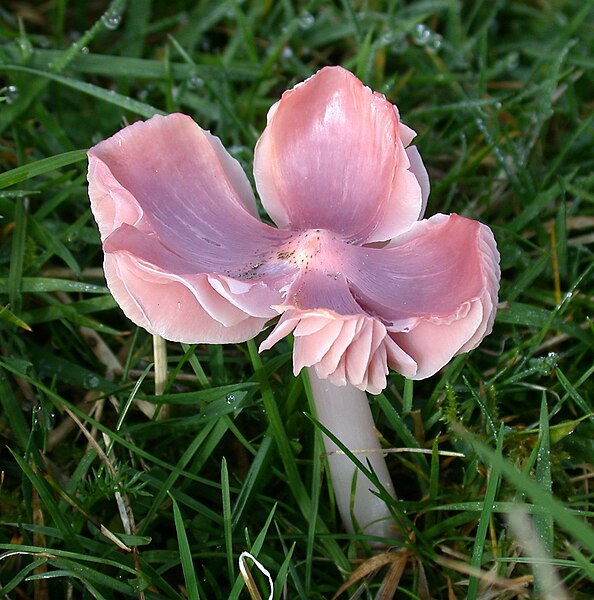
<point x="360" y="279"/>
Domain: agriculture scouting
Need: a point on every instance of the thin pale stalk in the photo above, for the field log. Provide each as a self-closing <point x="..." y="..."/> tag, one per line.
<point x="160" y="356"/>
<point x="345" y="412"/>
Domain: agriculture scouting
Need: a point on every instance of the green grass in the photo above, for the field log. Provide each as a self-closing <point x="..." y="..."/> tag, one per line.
<point x="97" y="500"/>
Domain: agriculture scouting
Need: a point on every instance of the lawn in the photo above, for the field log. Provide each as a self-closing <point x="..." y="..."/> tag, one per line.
<point x="133" y="468"/>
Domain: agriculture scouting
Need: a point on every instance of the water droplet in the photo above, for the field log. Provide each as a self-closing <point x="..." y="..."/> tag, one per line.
<point x="11" y="93"/>
<point x="42" y="419"/>
<point x="195" y="82"/>
<point x="513" y="61"/>
<point x="25" y="46"/>
<point x="388" y="37"/>
<point x="543" y="365"/>
<point x="92" y="381"/>
<point x="85" y="50"/>
<point x="306" y="20"/>
<point x="138" y="585"/>
<point x="50" y="420"/>
<point x="434" y="43"/>
<point x="287" y="53"/>
<point x="111" y="19"/>
<point x="421" y="35"/>
<point x="230" y="398"/>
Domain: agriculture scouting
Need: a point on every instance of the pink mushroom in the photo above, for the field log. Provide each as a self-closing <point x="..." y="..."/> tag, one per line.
<point x="359" y="279"/>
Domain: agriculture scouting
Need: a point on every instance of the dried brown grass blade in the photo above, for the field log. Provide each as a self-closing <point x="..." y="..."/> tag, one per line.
<point x="397" y="560"/>
<point x="391" y="581"/>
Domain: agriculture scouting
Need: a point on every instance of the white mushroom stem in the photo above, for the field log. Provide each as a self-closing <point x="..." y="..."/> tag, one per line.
<point x="345" y="412"/>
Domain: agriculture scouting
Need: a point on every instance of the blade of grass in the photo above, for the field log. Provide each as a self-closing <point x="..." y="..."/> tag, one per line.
<point x="40" y="167"/>
<point x="185" y="553"/>
<point x="17" y="253"/>
<point x="48" y="284"/>
<point x="90" y="89"/>
<point x="281" y="576"/>
<point x="484" y="520"/>
<point x="8" y="316"/>
<point x="543" y="523"/>
<point x="227" y="521"/>
<point x="260" y="463"/>
<point x="21" y="575"/>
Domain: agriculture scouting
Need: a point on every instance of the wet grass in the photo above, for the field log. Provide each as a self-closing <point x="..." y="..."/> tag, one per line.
<point x="99" y="498"/>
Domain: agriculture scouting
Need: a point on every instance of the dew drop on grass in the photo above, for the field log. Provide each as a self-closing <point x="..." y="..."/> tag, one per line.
<point x="544" y="365"/>
<point x="388" y="37"/>
<point x="513" y="60"/>
<point x="111" y="20"/>
<point x="138" y="584"/>
<point x="421" y="35"/>
<point x="11" y="93"/>
<point x="195" y="82"/>
<point x="306" y="20"/>
<point x="230" y="398"/>
<point x="36" y="418"/>
<point x="92" y="381"/>
<point x="42" y="419"/>
<point x="434" y="42"/>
